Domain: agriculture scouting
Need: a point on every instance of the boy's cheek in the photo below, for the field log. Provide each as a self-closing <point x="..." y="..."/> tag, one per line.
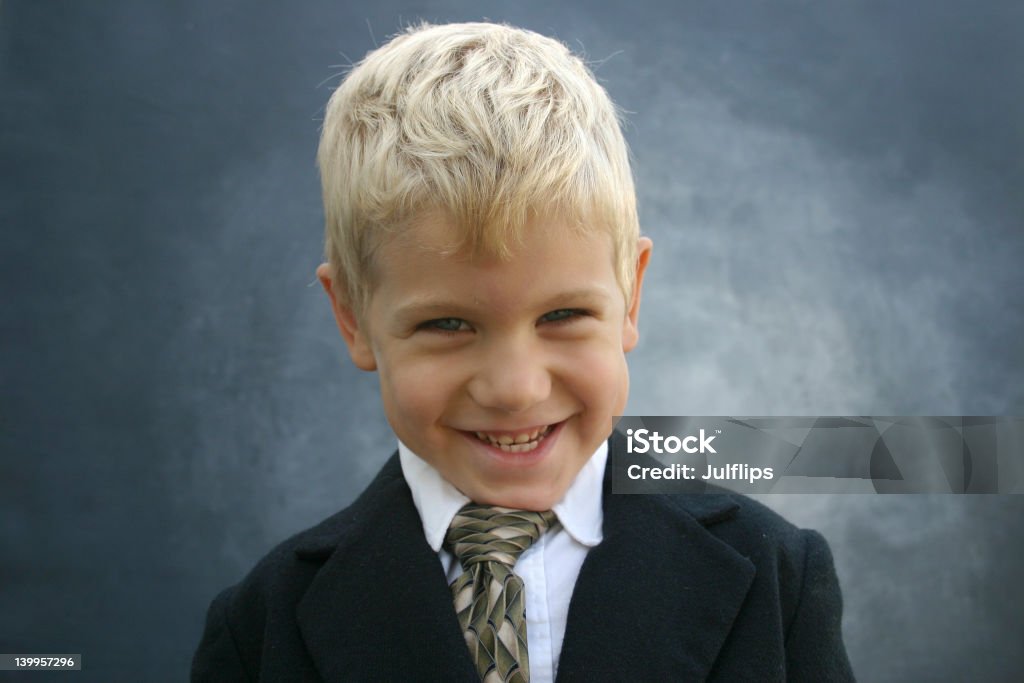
<point x="618" y="387"/>
<point x="600" y="384"/>
<point x="598" y="362"/>
<point x="417" y="392"/>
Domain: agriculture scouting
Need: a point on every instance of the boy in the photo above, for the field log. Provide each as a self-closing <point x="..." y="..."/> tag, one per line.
<point x="484" y="259"/>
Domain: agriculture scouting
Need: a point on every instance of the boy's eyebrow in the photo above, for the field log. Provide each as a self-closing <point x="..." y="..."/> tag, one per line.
<point x="582" y="296"/>
<point x="421" y="308"/>
<point x="427" y="305"/>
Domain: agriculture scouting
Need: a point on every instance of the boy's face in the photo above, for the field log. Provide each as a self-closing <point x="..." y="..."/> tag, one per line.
<point x="472" y="353"/>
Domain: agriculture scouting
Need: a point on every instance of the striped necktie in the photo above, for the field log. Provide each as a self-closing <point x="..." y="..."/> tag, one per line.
<point x="489" y="600"/>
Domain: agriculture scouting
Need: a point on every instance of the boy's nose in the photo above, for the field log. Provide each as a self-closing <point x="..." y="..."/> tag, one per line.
<point x="511" y="380"/>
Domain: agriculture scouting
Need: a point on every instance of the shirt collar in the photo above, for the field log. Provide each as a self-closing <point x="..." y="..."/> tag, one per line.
<point x="437" y="500"/>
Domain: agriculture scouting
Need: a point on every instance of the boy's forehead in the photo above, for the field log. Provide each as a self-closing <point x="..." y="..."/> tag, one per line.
<point x="437" y="234"/>
<point x="430" y="255"/>
<point x="433" y="233"/>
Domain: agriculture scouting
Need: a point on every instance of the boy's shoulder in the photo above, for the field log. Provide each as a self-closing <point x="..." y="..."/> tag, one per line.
<point x="780" y="551"/>
<point x="734" y="518"/>
<point x="739" y="520"/>
<point x="293" y="563"/>
<point x="727" y="529"/>
<point x="245" y="619"/>
<point x="316" y="543"/>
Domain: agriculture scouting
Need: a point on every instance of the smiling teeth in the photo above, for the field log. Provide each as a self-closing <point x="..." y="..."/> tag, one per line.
<point x="519" y="443"/>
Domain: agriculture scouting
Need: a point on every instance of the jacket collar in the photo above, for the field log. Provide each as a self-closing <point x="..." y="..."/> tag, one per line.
<point x="654" y="600"/>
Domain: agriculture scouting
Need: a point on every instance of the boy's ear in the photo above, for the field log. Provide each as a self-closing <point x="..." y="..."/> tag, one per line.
<point x="630" y="331"/>
<point x="348" y="323"/>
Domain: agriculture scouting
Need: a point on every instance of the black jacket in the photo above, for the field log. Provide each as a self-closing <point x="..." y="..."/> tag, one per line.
<point x="683" y="587"/>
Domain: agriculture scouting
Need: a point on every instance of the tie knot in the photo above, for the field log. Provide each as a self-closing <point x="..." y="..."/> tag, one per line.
<point x="481" y="533"/>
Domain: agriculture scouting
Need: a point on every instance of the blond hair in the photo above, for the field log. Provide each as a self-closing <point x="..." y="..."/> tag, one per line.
<point x="486" y="123"/>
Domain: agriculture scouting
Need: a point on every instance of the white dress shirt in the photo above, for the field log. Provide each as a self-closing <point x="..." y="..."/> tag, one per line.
<point x="548" y="568"/>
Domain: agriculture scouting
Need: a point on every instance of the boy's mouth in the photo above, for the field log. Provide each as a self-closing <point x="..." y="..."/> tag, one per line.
<point x="513" y="442"/>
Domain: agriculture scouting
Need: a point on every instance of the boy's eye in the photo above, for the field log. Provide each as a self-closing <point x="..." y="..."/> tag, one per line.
<point x="562" y="315"/>
<point x="445" y="325"/>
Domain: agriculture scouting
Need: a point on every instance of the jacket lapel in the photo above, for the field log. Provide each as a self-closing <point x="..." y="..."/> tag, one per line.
<point x="406" y="628"/>
<point x="657" y="598"/>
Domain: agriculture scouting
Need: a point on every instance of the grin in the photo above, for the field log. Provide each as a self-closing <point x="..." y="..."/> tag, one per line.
<point x="521" y="442"/>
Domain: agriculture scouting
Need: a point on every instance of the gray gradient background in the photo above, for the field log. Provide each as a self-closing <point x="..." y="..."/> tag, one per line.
<point x="835" y="195"/>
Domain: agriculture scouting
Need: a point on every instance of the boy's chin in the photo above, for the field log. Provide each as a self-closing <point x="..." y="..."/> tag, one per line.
<point x="537" y="501"/>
